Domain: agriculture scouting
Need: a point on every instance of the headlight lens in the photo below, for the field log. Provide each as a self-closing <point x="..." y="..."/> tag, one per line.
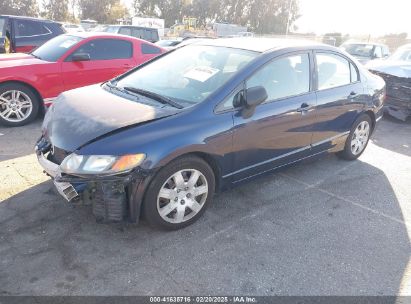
<point x="83" y="164"/>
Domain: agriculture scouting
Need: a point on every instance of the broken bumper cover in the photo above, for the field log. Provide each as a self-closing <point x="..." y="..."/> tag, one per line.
<point x="65" y="189"/>
<point x="113" y="198"/>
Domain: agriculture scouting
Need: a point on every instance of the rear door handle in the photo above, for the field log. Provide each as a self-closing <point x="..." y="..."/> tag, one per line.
<point x="304" y="108"/>
<point x="352" y="95"/>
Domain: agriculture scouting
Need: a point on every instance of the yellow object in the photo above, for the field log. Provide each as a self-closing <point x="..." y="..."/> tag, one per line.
<point x="7" y="46"/>
<point x="128" y="161"/>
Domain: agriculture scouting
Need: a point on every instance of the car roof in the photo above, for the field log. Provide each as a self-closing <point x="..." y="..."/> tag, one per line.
<point x="261" y="44"/>
<point x="28" y="18"/>
<point x="100" y="34"/>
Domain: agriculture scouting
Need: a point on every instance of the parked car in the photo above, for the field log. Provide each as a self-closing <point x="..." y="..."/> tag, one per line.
<point x="365" y="52"/>
<point x="168" y="44"/>
<point x="73" y="28"/>
<point x="23" y="34"/>
<point x="29" y="81"/>
<point x="163" y="137"/>
<point x="145" y="33"/>
<point x="396" y="71"/>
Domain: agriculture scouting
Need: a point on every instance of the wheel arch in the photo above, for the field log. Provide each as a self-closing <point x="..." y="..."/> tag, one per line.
<point x="208" y="158"/>
<point x="32" y="88"/>
<point x="371" y="114"/>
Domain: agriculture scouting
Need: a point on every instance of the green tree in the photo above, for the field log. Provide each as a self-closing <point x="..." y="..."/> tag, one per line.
<point x="56" y="10"/>
<point x="19" y="7"/>
<point x="100" y="10"/>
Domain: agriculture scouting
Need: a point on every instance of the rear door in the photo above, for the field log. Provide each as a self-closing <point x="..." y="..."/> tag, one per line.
<point x="339" y="92"/>
<point x="108" y="58"/>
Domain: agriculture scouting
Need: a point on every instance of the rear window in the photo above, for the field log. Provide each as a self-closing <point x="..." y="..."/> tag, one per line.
<point x="149" y="49"/>
<point x="2" y="27"/>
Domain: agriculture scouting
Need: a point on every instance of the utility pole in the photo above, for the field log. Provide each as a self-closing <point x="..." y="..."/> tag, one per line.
<point x="289" y="18"/>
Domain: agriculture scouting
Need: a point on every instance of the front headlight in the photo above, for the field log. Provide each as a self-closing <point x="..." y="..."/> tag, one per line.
<point x="105" y="164"/>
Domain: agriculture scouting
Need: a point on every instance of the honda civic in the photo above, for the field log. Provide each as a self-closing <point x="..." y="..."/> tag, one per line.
<point x="161" y="139"/>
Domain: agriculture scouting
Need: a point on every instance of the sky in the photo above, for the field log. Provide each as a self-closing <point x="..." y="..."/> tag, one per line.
<point x="356" y="17"/>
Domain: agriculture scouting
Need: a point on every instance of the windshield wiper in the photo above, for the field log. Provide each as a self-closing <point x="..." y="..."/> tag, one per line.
<point x="155" y="96"/>
<point x="35" y="56"/>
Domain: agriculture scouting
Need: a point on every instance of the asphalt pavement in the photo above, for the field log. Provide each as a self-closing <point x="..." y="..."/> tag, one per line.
<point x="322" y="227"/>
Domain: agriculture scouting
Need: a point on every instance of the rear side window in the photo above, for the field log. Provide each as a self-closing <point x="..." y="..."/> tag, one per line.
<point x="2" y="27"/>
<point x="378" y="52"/>
<point x="149" y="49"/>
<point x="27" y="28"/>
<point x="105" y="49"/>
<point x="284" y="77"/>
<point x="333" y="71"/>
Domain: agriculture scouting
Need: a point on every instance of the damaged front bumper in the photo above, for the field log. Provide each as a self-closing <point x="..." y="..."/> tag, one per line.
<point x="398" y="98"/>
<point x="113" y="198"/>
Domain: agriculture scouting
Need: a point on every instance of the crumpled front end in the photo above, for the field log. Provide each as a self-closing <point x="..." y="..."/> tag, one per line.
<point x="112" y="197"/>
<point x="398" y="98"/>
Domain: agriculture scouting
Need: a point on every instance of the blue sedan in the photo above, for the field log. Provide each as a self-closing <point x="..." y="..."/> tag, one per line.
<point x="160" y="140"/>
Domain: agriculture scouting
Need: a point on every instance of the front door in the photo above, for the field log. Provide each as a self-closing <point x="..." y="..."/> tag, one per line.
<point x="107" y="59"/>
<point x="279" y="130"/>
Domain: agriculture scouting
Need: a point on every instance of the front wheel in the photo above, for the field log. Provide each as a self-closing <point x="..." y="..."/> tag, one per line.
<point x="358" y="138"/>
<point x="18" y="104"/>
<point x="179" y="193"/>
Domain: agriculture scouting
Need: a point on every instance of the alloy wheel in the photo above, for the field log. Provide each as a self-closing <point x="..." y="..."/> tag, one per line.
<point x="15" y="106"/>
<point x="360" y="137"/>
<point x="182" y="196"/>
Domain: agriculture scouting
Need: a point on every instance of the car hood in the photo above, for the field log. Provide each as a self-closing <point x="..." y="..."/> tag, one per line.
<point x="391" y="67"/>
<point x="80" y="116"/>
<point x="18" y="59"/>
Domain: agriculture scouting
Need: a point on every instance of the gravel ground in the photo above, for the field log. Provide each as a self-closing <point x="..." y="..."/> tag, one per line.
<point x="323" y="227"/>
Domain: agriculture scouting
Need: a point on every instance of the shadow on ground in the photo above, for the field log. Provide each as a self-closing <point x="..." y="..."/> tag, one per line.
<point x="320" y="228"/>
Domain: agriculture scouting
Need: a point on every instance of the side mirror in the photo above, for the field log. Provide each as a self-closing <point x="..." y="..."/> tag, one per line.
<point x="255" y="96"/>
<point x="80" y="57"/>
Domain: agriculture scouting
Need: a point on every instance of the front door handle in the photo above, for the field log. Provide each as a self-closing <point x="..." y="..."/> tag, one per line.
<point x="304" y="107"/>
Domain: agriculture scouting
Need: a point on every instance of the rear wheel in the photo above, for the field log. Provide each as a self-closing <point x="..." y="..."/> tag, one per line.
<point x="358" y="138"/>
<point x="18" y="104"/>
<point x="179" y="194"/>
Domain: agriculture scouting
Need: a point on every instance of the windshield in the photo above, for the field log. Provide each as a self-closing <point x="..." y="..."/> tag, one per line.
<point x="402" y="54"/>
<point x="188" y="75"/>
<point x="362" y="50"/>
<point x="53" y="49"/>
<point x="110" y="29"/>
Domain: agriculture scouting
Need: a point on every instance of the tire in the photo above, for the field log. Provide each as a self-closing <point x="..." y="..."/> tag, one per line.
<point x="19" y="105"/>
<point x="178" y="196"/>
<point x="354" y="148"/>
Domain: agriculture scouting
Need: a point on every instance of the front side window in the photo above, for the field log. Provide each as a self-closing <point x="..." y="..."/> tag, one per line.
<point x="284" y="77"/>
<point x="26" y="28"/>
<point x="190" y="74"/>
<point x="53" y="49"/>
<point x="333" y="71"/>
<point x="105" y="49"/>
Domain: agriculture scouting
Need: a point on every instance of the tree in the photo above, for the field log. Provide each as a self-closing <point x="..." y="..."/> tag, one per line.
<point x="56" y="10"/>
<point x="19" y="7"/>
<point x="100" y="10"/>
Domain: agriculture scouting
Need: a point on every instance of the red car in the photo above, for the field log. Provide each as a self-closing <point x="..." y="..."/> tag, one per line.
<point x="29" y="81"/>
